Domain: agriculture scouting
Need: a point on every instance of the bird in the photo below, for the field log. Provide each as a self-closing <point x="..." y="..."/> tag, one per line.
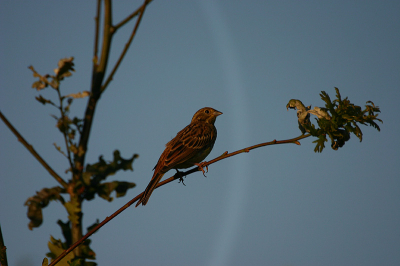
<point x="188" y="148"/>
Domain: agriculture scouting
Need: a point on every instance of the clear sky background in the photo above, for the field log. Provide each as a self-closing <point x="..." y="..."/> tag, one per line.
<point x="282" y="205"/>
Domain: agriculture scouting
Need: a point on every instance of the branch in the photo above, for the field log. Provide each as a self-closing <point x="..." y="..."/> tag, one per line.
<point x="107" y="36"/>
<point x="110" y="77"/>
<point x="98" y="73"/>
<point x="131" y="16"/>
<point x="3" y="253"/>
<point x="34" y="153"/>
<point x="169" y="180"/>
<point x="97" y="27"/>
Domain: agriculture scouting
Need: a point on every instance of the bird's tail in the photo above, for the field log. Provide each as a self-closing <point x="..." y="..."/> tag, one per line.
<point x="149" y="189"/>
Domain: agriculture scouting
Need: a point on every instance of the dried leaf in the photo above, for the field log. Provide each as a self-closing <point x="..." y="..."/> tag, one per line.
<point x="78" y="95"/>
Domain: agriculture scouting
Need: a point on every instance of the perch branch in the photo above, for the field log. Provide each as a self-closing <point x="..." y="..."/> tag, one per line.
<point x="172" y="178"/>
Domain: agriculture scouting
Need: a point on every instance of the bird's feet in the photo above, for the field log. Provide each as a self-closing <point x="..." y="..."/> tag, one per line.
<point x="201" y="165"/>
<point x="179" y="175"/>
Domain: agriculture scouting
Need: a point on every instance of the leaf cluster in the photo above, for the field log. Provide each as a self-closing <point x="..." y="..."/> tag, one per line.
<point x="82" y="186"/>
<point x="336" y="120"/>
<point x="96" y="173"/>
<point x="65" y="67"/>
<point x="56" y="247"/>
<point x="90" y="185"/>
<point x="68" y="126"/>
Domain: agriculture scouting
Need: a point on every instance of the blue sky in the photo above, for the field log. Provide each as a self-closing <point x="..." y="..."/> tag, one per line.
<point x="280" y="205"/>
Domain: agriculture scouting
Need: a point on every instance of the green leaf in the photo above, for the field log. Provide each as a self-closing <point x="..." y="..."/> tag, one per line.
<point x="99" y="171"/>
<point x="45" y="262"/>
<point x="72" y="209"/>
<point x="87" y="252"/>
<point x="338" y="119"/>
<point x="56" y="247"/>
<point x="338" y="96"/>
<point x="122" y="188"/>
<point x="105" y="189"/>
<point x="320" y="143"/>
<point x="90" y="228"/>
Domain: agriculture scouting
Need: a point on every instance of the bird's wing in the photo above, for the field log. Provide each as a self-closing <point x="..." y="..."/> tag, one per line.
<point x="188" y="143"/>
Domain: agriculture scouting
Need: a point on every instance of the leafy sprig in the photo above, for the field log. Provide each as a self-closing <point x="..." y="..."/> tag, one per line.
<point x="336" y="120"/>
<point x="88" y="184"/>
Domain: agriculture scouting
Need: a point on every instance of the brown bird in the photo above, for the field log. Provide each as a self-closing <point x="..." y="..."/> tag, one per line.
<point x="189" y="147"/>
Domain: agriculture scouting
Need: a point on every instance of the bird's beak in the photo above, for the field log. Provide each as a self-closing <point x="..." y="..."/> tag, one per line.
<point x="217" y="113"/>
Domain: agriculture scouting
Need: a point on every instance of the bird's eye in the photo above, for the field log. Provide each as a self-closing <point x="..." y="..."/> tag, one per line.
<point x="207" y="111"/>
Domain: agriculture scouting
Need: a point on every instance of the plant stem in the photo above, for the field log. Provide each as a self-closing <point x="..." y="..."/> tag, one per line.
<point x="33" y="152"/>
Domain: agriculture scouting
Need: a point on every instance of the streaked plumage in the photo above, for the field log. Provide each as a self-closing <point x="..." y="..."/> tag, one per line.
<point x="190" y="146"/>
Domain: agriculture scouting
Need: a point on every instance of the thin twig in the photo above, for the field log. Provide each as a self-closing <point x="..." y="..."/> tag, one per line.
<point x="172" y="178"/>
<point x="107" y="37"/>
<point x="110" y="77"/>
<point x="66" y="138"/>
<point x="131" y="16"/>
<point x="97" y="29"/>
<point x="34" y="153"/>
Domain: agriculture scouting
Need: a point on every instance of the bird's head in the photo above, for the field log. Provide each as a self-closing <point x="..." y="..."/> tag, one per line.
<point x="206" y="114"/>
